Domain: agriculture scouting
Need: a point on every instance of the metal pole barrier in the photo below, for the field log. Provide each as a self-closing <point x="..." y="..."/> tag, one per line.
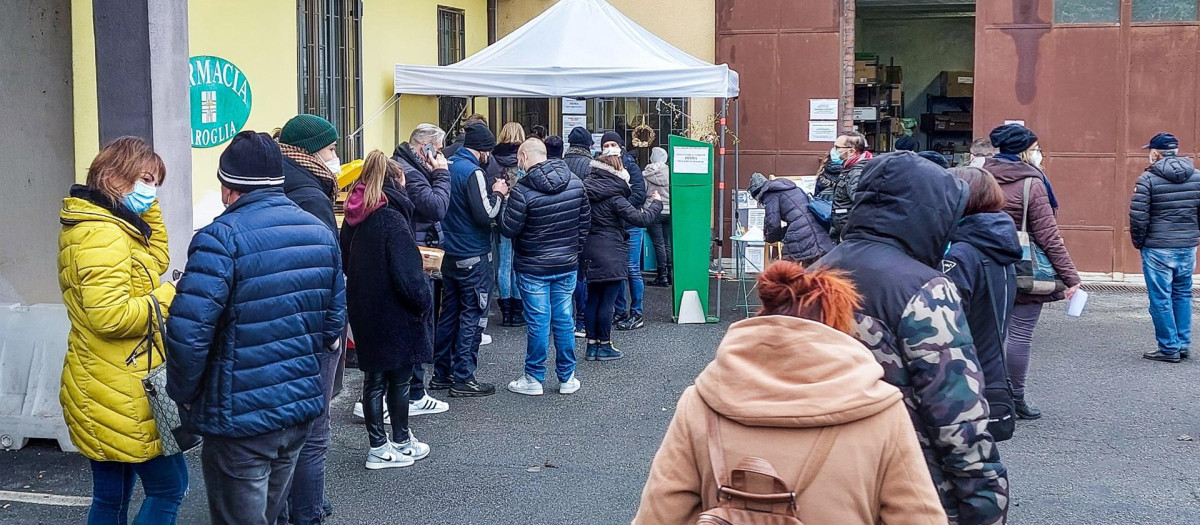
<point x="721" y="125"/>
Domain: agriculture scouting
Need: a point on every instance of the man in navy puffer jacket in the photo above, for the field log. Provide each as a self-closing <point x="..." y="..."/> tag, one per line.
<point x="262" y="296"/>
<point x="547" y="216"/>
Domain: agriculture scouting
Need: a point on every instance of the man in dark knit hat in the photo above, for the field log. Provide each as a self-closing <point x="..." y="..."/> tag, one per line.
<point x="245" y="316"/>
<point x="467" y="275"/>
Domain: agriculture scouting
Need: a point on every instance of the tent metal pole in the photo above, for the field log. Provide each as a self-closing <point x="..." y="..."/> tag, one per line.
<point x="721" y="204"/>
<point x="396" y="120"/>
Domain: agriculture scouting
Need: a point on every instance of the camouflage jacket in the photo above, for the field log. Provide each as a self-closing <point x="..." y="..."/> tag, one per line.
<point x="931" y="358"/>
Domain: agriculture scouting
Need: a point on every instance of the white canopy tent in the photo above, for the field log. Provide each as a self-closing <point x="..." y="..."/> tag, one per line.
<point x="577" y="48"/>
<point x="583" y="49"/>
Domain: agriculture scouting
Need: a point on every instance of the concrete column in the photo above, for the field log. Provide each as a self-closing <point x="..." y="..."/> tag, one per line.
<point x="142" y="87"/>
<point x="37" y="147"/>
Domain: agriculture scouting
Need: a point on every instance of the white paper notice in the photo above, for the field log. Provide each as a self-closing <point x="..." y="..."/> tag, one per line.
<point x="822" y="109"/>
<point x="1077" y="304"/>
<point x="596" y="141"/>
<point x="745" y="201"/>
<point x="574" y="106"/>
<point x="690" y="159"/>
<point x="822" y="131"/>
<point x="571" y="122"/>
<point x="754" y="257"/>
<point x="755" y="218"/>
<point x="1018" y="122"/>
<point x="808" y="183"/>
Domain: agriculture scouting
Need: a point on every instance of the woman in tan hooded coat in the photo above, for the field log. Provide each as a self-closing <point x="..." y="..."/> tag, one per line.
<point x="783" y="384"/>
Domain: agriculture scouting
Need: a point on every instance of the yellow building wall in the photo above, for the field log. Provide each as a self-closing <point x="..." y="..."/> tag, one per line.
<point x="83" y="85"/>
<point x="260" y="38"/>
<point x="690" y="25"/>
<point x="406" y="32"/>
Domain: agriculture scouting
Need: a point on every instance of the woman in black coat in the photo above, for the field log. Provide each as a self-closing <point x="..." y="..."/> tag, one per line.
<point x="804" y="241"/>
<point x="389" y="303"/>
<point x="606" y="251"/>
<point x="983" y="251"/>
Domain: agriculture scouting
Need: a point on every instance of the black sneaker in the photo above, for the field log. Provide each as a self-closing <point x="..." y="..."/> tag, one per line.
<point x="472" y="388"/>
<point x="619" y="318"/>
<point x="1158" y="355"/>
<point x="1184" y="354"/>
<point x="440" y="384"/>
<point x="633" y="323"/>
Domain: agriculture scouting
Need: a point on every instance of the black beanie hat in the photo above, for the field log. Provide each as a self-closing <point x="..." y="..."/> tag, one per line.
<point x="612" y="136"/>
<point x="479" y="138"/>
<point x="554" y="147"/>
<point x="906" y="143"/>
<point x="251" y="161"/>
<point x="580" y="136"/>
<point x="935" y="157"/>
<point x="1012" y="139"/>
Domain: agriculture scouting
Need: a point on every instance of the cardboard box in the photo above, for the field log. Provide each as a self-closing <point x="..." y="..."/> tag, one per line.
<point x="956" y="83"/>
<point x="865" y="72"/>
<point x="893" y="75"/>
<point x="897" y="96"/>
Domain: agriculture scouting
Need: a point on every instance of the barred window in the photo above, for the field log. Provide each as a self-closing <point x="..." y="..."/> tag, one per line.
<point x="452" y="47"/>
<point x="330" y="35"/>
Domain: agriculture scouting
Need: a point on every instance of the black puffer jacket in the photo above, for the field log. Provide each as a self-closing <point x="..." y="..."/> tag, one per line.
<point x="309" y="192"/>
<point x="429" y="191"/>
<point x="1166" y="200"/>
<point x="983" y="251"/>
<point x="579" y="160"/>
<point x="844" y="191"/>
<point x="803" y="239"/>
<point x="547" y="215"/>
<point x="387" y="294"/>
<point x="606" y="252"/>
<point x="637" y="182"/>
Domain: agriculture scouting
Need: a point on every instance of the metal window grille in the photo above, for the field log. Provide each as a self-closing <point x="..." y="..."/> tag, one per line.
<point x="330" y="58"/>
<point x="622" y="115"/>
<point x="452" y="47"/>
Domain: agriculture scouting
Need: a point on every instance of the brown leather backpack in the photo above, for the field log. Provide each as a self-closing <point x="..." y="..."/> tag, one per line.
<point x="753" y="494"/>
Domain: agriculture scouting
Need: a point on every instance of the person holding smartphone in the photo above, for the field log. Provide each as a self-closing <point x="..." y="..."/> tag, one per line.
<point x="427" y="174"/>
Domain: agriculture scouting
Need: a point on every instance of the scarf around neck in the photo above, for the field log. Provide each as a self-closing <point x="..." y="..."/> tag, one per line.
<point x="1045" y="180"/>
<point x="313" y="164"/>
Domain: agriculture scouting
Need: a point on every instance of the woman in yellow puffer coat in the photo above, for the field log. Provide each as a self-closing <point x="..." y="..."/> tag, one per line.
<point x="112" y="249"/>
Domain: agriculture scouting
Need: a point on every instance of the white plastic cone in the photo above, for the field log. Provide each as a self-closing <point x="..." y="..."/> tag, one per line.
<point x="690" y="309"/>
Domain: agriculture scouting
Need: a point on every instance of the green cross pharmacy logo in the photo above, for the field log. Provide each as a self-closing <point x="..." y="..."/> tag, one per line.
<point x="220" y="98"/>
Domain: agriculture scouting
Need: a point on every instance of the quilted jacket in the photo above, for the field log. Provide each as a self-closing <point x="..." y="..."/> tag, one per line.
<point x="262" y="295"/>
<point x="109" y="262"/>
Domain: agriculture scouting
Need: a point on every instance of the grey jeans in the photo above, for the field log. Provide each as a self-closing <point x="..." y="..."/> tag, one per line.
<point x="248" y="479"/>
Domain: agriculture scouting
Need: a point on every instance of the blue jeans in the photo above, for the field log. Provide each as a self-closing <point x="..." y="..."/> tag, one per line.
<point x="308" y="483"/>
<point x="164" y="480"/>
<point x="548" y="311"/>
<point x="1168" y="273"/>
<point x="506" y="279"/>
<point x="466" y="285"/>
<point x="637" y="287"/>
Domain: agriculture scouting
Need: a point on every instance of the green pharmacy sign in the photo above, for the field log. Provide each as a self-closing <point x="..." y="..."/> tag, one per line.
<point x="220" y="98"/>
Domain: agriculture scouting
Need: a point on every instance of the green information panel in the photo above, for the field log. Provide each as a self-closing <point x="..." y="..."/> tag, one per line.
<point x="691" y="163"/>
<point x="220" y="98"/>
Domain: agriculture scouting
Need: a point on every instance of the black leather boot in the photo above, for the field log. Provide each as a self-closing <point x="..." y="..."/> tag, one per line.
<point x="1024" y="410"/>
<point x="506" y="315"/>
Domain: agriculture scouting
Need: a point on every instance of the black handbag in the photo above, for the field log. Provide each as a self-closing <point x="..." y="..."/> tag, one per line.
<point x="166" y="413"/>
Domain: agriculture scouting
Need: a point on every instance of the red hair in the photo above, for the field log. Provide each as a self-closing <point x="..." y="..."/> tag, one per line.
<point x="824" y="296"/>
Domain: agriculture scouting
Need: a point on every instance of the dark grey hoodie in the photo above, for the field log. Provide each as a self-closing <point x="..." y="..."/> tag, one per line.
<point x="1165" y="202"/>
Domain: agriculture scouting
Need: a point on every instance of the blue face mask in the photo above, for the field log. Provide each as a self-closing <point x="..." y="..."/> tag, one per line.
<point x="521" y="173"/>
<point x="835" y="156"/>
<point x="141" y="198"/>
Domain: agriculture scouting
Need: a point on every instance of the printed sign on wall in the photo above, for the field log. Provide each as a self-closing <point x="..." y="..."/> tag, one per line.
<point x="220" y="98"/>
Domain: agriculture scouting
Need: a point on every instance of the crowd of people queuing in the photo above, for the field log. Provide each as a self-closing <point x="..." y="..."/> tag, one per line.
<point x="891" y="351"/>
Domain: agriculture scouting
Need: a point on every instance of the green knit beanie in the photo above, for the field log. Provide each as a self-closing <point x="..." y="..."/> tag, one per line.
<point x="308" y="132"/>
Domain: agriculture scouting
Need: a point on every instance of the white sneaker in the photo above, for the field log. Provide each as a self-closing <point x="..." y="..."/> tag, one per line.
<point x="486" y="340"/>
<point x="427" y="405"/>
<point x="412" y="448"/>
<point x="570" y="386"/>
<point x="387" y="456"/>
<point x="387" y="419"/>
<point x="526" y="386"/>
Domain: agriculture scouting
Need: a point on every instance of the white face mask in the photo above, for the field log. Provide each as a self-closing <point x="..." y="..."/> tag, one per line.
<point x="334" y="165"/>
<point x="611" y="151"/>
<point x="1035" y="157"/>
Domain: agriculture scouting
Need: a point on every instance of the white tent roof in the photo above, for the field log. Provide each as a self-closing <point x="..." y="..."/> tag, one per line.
<point x="577" y="48"/>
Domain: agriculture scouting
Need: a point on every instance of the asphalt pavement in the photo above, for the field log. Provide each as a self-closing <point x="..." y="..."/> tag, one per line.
<point x="1119" y="443"/>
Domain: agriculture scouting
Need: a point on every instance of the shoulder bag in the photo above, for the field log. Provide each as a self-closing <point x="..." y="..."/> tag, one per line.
<point x="166" y="413"/>
<point x="738" y="503"/>
<point x="1035" y="274"/>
